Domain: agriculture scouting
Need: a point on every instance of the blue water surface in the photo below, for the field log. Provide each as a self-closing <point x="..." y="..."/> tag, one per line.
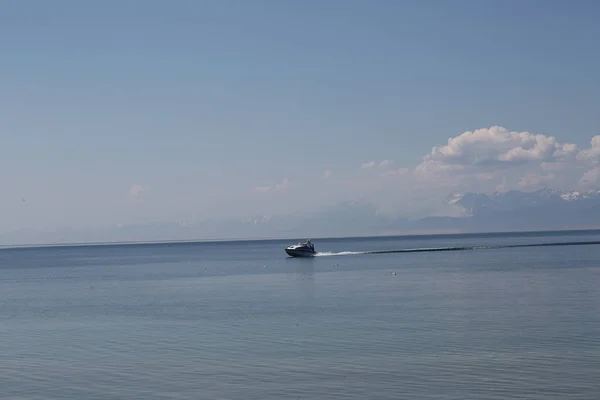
<point x="241" y="320"/>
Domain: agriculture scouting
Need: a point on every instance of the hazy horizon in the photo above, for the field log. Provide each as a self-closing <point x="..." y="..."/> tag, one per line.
<point x="118" y="115"/>
<point x="290" y="239"/>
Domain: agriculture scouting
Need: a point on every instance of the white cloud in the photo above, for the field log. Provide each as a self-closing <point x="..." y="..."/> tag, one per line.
<point x="508" y="160"/>
<point x="369" y="164"/>
<point x="284" y="184"/>
<point x="591" y="155"/>
<point x="498" y="147"/>
<point x="136" y="192"/>
<point x="484" y="160"/>
<point x="590" y="178"/>
<point x="386" y="164"/>
<point x="373" y="164"/>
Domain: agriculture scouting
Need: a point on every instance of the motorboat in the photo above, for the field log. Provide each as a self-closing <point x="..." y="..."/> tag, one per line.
<point x="302" y="249"/>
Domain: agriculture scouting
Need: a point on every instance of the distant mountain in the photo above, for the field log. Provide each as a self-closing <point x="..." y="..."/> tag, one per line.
<point x="345" y="219"/>
<point x="509" y="211"/>
<point x="517" y="210"/>
<point x="480" y="203"/>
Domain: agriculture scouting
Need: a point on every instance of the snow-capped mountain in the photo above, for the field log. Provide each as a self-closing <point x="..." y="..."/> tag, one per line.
<point x="480" y="203"/>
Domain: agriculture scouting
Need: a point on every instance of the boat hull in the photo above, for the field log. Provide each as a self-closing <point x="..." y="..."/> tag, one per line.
<point x="300" y="252"/>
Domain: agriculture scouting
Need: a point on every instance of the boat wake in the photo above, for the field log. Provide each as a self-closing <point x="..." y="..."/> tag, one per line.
<point x="457" y="248"/>
<point x="342" y="253"/>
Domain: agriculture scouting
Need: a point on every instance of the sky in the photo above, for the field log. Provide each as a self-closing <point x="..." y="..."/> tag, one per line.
<point x="123" y="112"/>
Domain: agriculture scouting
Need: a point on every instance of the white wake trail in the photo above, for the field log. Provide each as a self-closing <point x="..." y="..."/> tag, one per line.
<point x="341" y="253"/>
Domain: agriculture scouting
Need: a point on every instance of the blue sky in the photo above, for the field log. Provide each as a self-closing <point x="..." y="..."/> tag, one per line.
<point x="142" y="111"/>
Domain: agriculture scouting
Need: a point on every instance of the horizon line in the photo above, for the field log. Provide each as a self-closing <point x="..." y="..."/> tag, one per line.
<point x="273" y="239"/>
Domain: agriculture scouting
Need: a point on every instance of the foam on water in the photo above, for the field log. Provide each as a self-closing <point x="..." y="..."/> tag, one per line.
<point x="341" y="253"/>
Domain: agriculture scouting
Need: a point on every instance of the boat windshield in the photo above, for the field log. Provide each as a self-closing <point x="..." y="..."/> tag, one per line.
<point x="307" y="243"/>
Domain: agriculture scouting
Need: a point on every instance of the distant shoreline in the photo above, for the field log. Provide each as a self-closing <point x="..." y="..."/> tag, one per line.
<point x="281" y="239"/>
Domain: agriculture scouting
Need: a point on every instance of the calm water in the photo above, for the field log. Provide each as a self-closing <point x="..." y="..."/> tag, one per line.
<point x="243" y="321"/>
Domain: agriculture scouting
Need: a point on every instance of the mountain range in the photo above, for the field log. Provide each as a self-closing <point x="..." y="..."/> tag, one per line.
<point x="544" y="209"/>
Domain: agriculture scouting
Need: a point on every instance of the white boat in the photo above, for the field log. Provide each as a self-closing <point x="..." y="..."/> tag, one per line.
<point x="302" y="249"/>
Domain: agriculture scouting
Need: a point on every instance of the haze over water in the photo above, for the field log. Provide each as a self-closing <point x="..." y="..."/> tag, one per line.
<point x="241" y="320"/>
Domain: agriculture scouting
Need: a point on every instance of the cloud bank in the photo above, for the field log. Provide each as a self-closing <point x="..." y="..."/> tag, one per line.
<point x="484" y="160"/>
